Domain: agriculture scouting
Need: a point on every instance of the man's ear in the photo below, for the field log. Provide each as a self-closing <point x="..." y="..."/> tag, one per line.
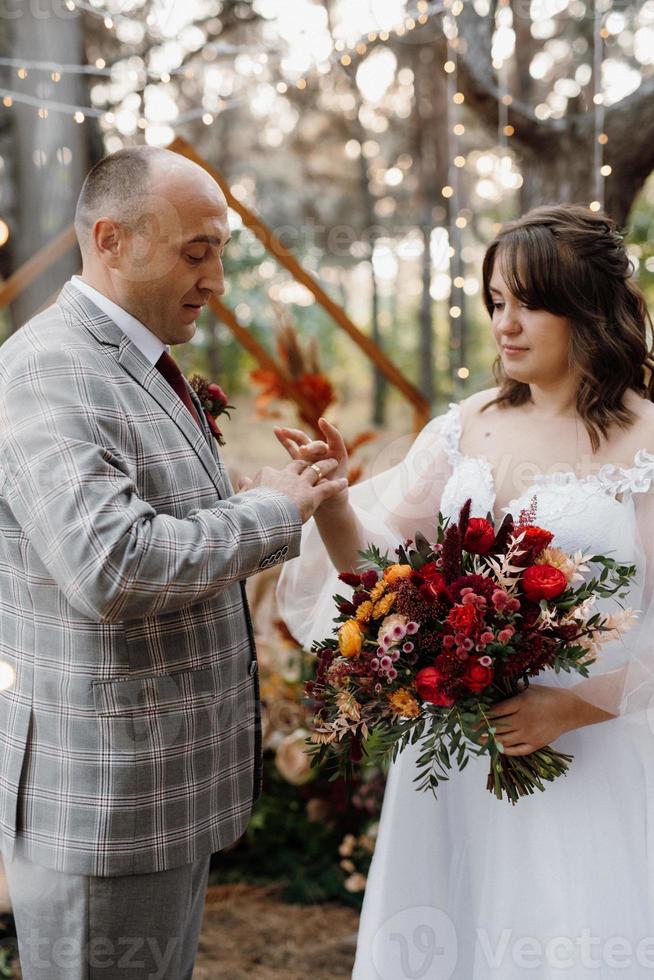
<point x="108" y="239"/>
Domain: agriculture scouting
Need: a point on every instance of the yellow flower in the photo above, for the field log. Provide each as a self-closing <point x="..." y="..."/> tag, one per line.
<point x="394" y="573"/>
<point x="364" y="612"/>
<point x="350" y="639"/>
<point x="378" y="591"/>
<point x="403" y="703"/>
<point x="384" y="606"/>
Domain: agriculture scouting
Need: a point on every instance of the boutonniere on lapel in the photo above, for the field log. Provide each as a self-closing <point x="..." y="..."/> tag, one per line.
<point x="214" y="402"/>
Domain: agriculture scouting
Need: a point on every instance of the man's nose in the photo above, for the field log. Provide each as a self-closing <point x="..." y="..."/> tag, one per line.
<point x="213" y="279"/>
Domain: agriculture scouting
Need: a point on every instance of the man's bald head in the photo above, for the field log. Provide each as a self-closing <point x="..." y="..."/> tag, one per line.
<point x="118" y="186"/>
<point x="152" y="227"/>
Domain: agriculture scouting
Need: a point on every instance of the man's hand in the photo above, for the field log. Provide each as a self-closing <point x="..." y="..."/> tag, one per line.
<point x="306" y="486"/>
<point x="300" y="446"/>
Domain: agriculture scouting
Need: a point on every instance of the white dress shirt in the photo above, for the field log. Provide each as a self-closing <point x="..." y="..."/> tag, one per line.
<point x="148" y="343"/>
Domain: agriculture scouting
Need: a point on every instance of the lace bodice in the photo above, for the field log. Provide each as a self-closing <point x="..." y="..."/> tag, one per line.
<point x="594" y="513"/>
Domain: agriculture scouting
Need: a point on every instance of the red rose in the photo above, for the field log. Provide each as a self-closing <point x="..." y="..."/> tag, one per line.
<point x="216" y="393"/>
<point x="534" y="542"/>
<point x="479" y="537"/>
<point x="477" y="677"/>
<point x="543" y="582"/>
<point x="429" y="683"/>
<point x="464" y="619"/>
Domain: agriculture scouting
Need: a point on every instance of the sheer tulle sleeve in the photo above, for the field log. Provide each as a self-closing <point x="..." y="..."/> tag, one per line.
<point x="622" y="679"/>
<point x="390" y="507"/>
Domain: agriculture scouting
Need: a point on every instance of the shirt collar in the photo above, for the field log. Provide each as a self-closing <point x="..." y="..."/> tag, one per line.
<point x="148" y="343"/>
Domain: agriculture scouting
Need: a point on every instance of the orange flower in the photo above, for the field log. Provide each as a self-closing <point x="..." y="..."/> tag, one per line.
<point x="384" y="606"/>
<point x="378" y="591"/>
<point x="394" y="573"/>
<point x="364" y="612"/>
<point x="350" y="639"/>
<point x="403" y="703"/>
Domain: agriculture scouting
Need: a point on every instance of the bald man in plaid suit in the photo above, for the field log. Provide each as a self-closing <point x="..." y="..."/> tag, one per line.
<point x="129" y="721"/>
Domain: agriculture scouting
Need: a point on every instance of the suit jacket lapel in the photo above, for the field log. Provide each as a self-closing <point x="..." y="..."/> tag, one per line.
<point x="108" y="333"/>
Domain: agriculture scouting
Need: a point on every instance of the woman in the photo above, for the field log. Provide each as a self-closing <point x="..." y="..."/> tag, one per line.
<point x="559" y="885"/>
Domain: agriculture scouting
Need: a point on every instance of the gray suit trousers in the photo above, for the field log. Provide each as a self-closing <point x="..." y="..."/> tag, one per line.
<point x="131" y="927"/>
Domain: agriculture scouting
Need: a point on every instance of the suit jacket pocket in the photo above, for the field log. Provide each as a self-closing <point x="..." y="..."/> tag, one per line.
<point x="156" y="694"/>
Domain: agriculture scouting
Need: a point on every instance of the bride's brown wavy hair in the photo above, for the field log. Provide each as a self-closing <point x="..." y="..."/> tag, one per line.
<point x="573" y="263"/>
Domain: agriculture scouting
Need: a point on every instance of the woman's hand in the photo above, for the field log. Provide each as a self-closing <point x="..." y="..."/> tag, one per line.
<point x="534" y="718"/>
<point x="300" y="446"/>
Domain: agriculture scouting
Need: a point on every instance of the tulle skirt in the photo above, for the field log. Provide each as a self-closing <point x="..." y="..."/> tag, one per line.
<point x="559" y="885"/>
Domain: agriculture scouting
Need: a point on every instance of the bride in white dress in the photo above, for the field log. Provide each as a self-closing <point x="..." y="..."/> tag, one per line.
<point x="561" y="884"/>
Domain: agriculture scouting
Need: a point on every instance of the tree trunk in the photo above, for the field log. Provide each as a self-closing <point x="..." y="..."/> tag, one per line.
<point x="379" y="383"/>
<point x="51" y="154"/>
<point x="556" y="155"/>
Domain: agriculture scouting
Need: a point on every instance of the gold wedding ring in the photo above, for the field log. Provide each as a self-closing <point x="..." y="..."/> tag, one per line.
<point x="316" y="470"/>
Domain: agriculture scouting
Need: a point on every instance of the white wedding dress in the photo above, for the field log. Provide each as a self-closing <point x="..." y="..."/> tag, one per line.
<point x="561" y="884"/>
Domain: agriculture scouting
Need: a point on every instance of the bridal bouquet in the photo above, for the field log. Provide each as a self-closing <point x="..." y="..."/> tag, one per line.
<point x="426" y="644"/>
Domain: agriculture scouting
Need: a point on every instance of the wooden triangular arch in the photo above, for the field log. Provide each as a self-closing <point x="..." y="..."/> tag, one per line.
<point x="66" y="240"/>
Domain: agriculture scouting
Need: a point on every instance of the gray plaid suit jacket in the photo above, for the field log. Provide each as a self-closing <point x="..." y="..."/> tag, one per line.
<point x="130" y="734"/>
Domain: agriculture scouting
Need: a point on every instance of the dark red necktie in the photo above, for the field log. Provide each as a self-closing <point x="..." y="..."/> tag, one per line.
<point x="169" y="368"/>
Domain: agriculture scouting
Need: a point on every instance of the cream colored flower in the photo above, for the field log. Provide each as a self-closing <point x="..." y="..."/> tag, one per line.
<point x="292" y="759"/>
<point x="347" y="846"/>
<point x="356" y="882"/>
<point x="389" y="624"/>
<point x="560" y="559"/>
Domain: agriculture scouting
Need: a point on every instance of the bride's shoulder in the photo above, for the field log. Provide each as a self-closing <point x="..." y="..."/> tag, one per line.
<point x="642" y="428"/>
<point x="473" y="404"/>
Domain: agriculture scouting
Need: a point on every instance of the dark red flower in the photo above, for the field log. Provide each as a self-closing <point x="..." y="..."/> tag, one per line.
<point x="220" y="399"/>
<point x="478" y="584"/>
<point x="215" y="431"/>
<point x="433" y="585"/>
<point x="369" y="579"/>
<point x="534" y="542"/>
<point x="479" y="537"/>
<point x="543" y="582"/>
<point x="350" y="578"/>
<point x="477" y="676"/>
<point x="356" y="749"/>
<point x="429" y="684"/>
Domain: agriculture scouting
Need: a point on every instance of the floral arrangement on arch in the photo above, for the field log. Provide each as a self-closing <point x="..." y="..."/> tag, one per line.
<point x="306" y="378"/>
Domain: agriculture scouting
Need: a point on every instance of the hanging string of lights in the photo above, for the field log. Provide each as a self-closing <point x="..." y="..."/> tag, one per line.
<point x="601" y="170"/>
<point x="100" y="68"/>
<point x="452" y="192"/>
<point x="419" y="16"/>
<point x="81" y="113"/>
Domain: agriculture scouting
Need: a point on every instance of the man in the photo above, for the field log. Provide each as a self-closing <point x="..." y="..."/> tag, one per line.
<point x="129" y="737"/>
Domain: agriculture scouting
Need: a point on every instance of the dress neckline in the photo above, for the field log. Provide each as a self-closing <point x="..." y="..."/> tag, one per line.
<point x="610" y="478"/>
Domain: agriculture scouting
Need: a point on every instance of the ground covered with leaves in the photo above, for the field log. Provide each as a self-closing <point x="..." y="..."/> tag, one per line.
<point x="250" y="934"/>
